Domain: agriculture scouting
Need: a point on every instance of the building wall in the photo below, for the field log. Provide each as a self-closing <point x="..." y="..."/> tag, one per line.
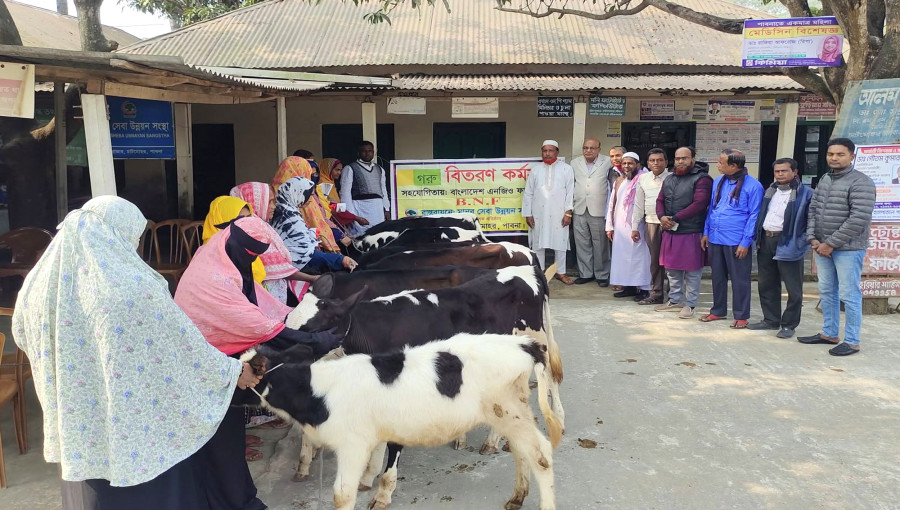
<point x="255" y="129"/>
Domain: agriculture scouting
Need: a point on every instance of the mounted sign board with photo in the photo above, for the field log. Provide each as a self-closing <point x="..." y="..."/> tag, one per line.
<point x="792" y="42"/>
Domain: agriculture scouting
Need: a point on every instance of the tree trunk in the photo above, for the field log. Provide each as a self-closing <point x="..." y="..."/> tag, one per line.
<point x="9" y="33"/>
<point x="89" y="27"/>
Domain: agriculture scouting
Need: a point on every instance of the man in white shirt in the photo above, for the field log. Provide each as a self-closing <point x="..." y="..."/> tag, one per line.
<point x="363" y="189"/>
<point x="593" y="175"/>
<point x="647" y="191"/>
<point x="547" y="207"/>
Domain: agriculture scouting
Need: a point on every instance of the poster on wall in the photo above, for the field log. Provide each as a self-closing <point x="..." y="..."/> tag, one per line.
<point x="492" y="189"/>
<point x="713" y="138"/>
<point x="731" y="111"/>
<point x="16" y="90"/>
<point x="140" y="128"/>
<point x="883" y="252"/>
<point x="812" y="105"/>
<point x="606" y="106"/>
<point x="475" y="107"/>
<point x="406" y="105"/>
<point x="882" y="164"/>
<point x="658" y="110"/>
<point x="870" y="112"/>
<point x="792" y="42"/>
<point x="555" y="107"/>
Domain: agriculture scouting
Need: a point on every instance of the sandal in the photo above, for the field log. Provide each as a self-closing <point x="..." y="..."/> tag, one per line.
<point x="251" y="454"/>
<point x="710" y="317"/>
<point x="739" y="324"/>
<point x="251" y="440"/>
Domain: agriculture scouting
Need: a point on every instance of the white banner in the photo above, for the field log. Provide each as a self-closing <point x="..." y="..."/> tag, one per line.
<point x="16" y="90"/>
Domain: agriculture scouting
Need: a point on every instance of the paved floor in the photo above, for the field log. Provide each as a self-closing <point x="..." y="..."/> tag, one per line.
<point x="683" y="414"/>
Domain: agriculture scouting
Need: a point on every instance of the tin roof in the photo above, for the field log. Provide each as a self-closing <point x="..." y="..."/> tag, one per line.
<point x="300" y="34"/>
<point x="43" y="28"/>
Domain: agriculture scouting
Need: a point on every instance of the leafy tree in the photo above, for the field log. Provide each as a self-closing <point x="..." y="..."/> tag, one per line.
<point x="185" y="12"/>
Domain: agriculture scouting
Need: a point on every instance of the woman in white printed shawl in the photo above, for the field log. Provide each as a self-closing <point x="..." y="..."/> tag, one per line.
<point x="130" y="389"/>
<point x="299" y="239"/>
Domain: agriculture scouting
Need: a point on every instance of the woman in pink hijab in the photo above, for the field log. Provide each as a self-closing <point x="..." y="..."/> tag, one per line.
<point x="831" y="49"/>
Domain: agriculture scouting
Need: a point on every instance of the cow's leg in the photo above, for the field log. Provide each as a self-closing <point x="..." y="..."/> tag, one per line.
<point x="491" y="443"/>
<point x="351" y="461"/>
<point x="373" y="468"/>
<point x="460" y="442"/>
<point x="388" y="482"/>
<point x="555" y="401"/>
<point x="307" y="452"/>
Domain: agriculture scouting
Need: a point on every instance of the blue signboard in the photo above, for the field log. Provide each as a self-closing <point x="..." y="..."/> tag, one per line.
<point x="141" y="129"/>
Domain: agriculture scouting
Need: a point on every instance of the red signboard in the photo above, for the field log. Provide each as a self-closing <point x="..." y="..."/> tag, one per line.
<point x="883" y="255"/>
<point x="815" y="106"/>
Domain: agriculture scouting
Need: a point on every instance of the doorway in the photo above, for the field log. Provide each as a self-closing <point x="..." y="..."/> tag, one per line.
<point x="467" y="140"/>
<point x="213" y="164"/>
<point x="640" y="137"/>
<point x="340" y="141"/>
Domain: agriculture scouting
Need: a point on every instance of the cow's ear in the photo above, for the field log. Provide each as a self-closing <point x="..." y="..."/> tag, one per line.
<point x="323" y="286"/>
<point x="354" y="298"/>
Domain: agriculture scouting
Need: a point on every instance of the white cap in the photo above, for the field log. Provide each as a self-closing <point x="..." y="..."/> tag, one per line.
<point x="632" y="155"/>
<point x="551" y="142"/>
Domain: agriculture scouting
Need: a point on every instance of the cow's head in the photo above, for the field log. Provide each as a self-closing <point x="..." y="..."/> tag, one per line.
<point x="318" y="314"/>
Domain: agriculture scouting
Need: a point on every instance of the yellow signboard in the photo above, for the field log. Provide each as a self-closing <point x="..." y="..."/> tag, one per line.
<point x="489" y="188"/>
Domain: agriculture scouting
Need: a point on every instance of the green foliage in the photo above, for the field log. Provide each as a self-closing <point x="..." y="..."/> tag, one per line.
<point x="186" y="12"/>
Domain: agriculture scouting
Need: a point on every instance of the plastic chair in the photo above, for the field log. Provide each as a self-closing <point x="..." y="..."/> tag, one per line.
<point x="175" y="261"/>
<point x="192" y="238"/>
<point x="27" y="244"/>
<point x="9" y="392"/>
<point x="17" y="368"/>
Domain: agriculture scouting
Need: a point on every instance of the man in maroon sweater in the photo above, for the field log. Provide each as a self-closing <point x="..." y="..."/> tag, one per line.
<point x="681" y="206"/>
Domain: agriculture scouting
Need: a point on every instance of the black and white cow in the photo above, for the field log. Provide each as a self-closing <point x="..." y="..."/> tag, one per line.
<point x="488" y="256"/>
<point x="420" y="238"/>
<point x="379" y="235"/>
<point x="384" y="282"/>
<point x="477" y="379"/>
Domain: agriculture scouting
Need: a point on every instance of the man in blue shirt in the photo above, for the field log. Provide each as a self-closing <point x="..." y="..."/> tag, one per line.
<point x="728" y="235"/>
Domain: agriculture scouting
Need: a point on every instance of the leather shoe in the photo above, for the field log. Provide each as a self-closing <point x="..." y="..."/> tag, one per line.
<point x="785" y="333"/>
<point x="842" y="349"/>
<point x="603" y="283"/>
<point x="644" y="294"/>
<point x="626" y="292"/>
<point x="818" y="338"/>
<point x="582" y="281"/>
<point x="762" y="325"/>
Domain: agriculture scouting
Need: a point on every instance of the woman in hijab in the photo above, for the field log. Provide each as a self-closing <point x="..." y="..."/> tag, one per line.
<point x="315" y="214"/>
<point x="300" y="239"/>
<point x="330" y="173"/>
<point x="281" y="275"/>
<point x="223" y="210"/>
<point x="125" y="419"/>
<point x="329" y="176"/>
<point x="235" y="313"/>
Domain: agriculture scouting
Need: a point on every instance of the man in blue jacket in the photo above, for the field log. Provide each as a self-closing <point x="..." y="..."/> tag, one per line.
<point x="728" y="236"/>
<point x="781" y="239"/>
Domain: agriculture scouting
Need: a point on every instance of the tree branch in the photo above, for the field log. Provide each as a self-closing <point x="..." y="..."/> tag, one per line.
<point x="9" y="33"/>
<point x="574" y="12"/>
<point x="811" y="80"/>
<point x="797" y="8"/>
<point x="726" y="25"/>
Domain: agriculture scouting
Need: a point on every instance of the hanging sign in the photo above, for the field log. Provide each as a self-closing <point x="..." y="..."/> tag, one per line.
<point x="606" y="106"/>
<point x="140" y="128"/>
<point x="812" y="105"/>
<point x="555" y="107"/>
<point x="16" y="90"/>
<point x="792" y="42"/>
<point x="475" y="107"/>
<point x="406" y="105"/>
<point x="658" y="110"/>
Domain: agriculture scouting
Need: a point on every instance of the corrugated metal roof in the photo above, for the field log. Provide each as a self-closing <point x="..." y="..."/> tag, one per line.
<point x="42" y="28"/>
<point x="575" y="82"/>
<point x="299" y="34"/>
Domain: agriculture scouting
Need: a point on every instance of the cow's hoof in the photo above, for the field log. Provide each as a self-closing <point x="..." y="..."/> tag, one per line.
<point x="487" y="449"/>
<point x="377" y="505"/>
<point x="459" y="445"/>
<point x="300" y="478"/>
<point x="363" y="487"/>
<point x="513" y="505"/>
<point x="506" y="447"/>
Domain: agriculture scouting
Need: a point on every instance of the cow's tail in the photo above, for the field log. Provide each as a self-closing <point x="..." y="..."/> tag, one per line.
<point x="554" y="425"/>
<point x="550" y="271"/>
<point x="556" y="368"/>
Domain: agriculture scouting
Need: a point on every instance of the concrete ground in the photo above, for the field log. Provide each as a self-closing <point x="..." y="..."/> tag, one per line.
<point x="660" y="413"/>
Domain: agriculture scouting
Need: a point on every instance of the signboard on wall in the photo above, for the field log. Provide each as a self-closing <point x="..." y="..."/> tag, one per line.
<point x="658" y="110"/>
<point x="882" y="164"/>
<point x="555" y="107"/>
<point x="140" y="128"/>
<point x="406" y="105"/>
<point x="606" y="106"/>
<point x="883" y="253"/>
<point x="16" y="90"/>
<point x="731" y="111"/>
<point x="792" y="42"/>
<point x="870" y="113"/>
<point x="712" y="138"/>
<point x="492" y="189"/>
<point x="812" y="105"/>
<point x="475" y="107"/>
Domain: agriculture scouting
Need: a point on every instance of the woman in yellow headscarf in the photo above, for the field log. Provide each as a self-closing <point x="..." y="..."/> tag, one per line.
<point x="222" y="210"/>
<point x="330" y="173"/>
<point x="314" y="213"/>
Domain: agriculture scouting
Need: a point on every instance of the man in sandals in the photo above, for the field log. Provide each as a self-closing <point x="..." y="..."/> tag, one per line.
<point x="728" y="236"/>
<point x="838" y="231"/>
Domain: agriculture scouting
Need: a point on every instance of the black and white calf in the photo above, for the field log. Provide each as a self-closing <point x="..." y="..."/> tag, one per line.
<point x="488" y="256"/>
<point x="384" y="282"/>
<point x="385" y="232"/>
<point x="422" y="396"/>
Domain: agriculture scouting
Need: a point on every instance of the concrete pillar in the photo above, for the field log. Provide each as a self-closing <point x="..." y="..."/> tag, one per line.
<point x="281" y="119"/>
<point x="369" y="124"/>
<point x="184" y="160"/>
<point x="62" y="170"/>
<point x="99" y="144"/>
<point x="578" y="135"/>
<point x="787" y="130"/>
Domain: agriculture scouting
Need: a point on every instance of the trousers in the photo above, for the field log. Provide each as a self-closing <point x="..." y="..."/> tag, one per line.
<point x="725" y="266"/>
<point x="772" y="274"/>
<point x="592" y="247"/>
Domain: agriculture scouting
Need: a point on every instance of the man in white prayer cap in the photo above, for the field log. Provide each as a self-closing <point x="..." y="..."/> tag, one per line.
<point x="547" y="207"/>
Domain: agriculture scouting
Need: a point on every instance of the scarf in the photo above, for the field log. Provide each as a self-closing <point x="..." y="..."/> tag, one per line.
<point x="630" y="192"/>
<point x="831" y="56"/>
<point x="325" y="177"/>
<point x="315" y="212"/>
<point x="243" y="249"/>
<point x="788" y="228"/>
<point x="736" y="192"/>
<point x="257" y="195"/>
<point x="213" y="291"/>
<point x="288" y="222"/>
<point x="276" y="260"/>
<point x="128" y="385"/>
<point x="222" y="211"/>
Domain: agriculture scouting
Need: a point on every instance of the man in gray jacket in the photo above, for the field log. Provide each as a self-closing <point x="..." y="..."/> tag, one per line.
<point x="838" y="231"/>
<point x="593" y="175"/>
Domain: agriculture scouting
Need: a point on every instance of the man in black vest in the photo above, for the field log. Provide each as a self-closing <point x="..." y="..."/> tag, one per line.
<point x="681" y="207"/>
<point x="363" y="189"/>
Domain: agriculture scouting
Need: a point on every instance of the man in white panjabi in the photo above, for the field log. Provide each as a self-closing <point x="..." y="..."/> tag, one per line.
<point x="547" y="207"/>
<point x="594" y="177"/>
<point x="364" y="191"/>
<point x="630" y="266"/>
